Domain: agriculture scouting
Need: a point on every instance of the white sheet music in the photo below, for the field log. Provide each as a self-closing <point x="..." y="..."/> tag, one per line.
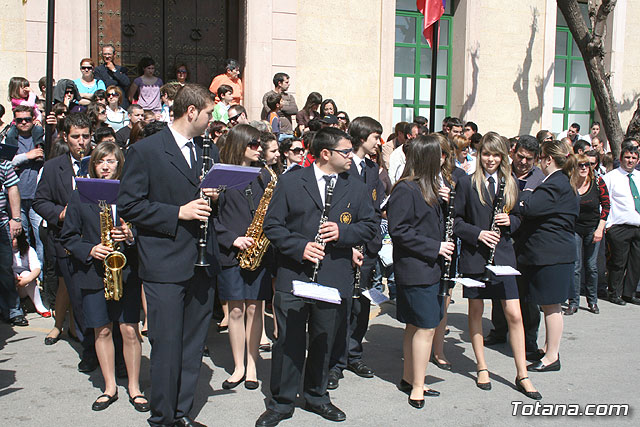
<point x="375" y="296"/>
<point x="316" y="291"/>
<point x="503" y="270"/>
<point x="470" y="283"/>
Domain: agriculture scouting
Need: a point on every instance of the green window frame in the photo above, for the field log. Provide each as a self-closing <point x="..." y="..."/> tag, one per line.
<point x="412" y="72"/>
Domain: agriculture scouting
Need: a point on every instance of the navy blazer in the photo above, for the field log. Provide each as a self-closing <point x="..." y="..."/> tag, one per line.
<point x="293" y="218"/>
<point x="549" y="214"/>
<point x="80" y="233"/>
<point x="471" y="218"/>
<point x="417" y="230"/>
<point x="375" y="189"/>
<point x="52" y="195"/>
<point x="155" y="182"/>
<point x="235" y="216"/>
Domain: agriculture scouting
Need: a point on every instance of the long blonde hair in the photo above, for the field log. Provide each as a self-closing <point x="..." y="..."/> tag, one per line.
<point x="495" y="144"/>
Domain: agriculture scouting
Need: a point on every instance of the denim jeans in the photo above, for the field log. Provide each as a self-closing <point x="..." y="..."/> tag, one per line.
<point x="9" y="299"/>
<point x="31" y="225"/>
<point x="587" y="255"/>
<point x="380" y="272"/>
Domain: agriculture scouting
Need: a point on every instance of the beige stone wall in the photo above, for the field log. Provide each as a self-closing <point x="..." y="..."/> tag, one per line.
<point x="626" y="81"/>
<point x="23" y="41"/>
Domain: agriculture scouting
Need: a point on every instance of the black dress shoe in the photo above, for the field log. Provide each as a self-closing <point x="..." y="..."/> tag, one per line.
<point x="185" y="422"/>
<point x="228" y="385"/>
<point x="631" y="300"/>
<point x="222" y="328"/>
<point x="271" y="418"/>
<point x="617" y="300"/>
<point x="88" y="364"/>
<point x="445" y="366"/>
<point x="205" y="352"/>
<point x="51" y="340"/>
<point x="99" y="406"/>
<point x="535" y="395"/>
<point x="328" y="411"/>
<point x="535" y="356"/>
<point x="19" y="320"/>
<point x="334" y="378"/>
<point x="251" y="385"/>
<point x="405" y="387"/>
<point x="594" y="308"/>
<point x="418" y="404"/>
<point x="140" y="406"/>
<point x="360" y="369"/>
<point x="491" y="339"/>
<point x="483" y="386"/>
<point x="572" y="309"/>
<point x="541" y="367"/>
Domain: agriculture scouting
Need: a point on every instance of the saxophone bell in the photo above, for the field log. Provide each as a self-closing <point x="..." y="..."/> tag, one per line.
<point x="115" y="261"/>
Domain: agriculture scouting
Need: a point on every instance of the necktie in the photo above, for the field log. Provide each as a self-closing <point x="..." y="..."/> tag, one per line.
<point x="634" y="192"/>
<point x="492" y="187"/>
<point x="76" y="167"/>
<point x="362" y="163"/>
<point x="192" y="155"/>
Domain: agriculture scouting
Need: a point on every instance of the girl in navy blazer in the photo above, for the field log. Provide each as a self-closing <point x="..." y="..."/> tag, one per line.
<point x="474" y="210"/>
<point x="546" y="244"/>
<point x="81" y="236"/>
<point x="416" y="226"/>
<point x="243" y="290"/>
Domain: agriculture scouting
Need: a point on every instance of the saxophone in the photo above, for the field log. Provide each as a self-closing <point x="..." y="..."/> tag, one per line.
<point x="115" y="261"/>
<point x="250" y="258"/>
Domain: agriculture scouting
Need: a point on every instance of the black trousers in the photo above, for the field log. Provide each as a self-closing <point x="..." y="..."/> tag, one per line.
<point x="624" y="260"/>
<point x="347" y="348"/>
<point x="179" y="316"/>
<point x="530" y="318"/>
<point x="288" y="356"/>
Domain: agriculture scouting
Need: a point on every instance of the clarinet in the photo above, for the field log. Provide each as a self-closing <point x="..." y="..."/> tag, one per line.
<point x="323" y="219"/>
<point x="207" y="163"/>
<point x="497" y="207"/>
<point x="357" y="290"/>
<point x="445" y="280"/>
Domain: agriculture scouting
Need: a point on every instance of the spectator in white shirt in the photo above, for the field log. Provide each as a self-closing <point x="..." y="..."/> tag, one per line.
<point x="398" y="157"/>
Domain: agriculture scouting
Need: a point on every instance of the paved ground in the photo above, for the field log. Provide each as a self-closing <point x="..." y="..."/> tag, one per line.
<point x="40" y="385"/>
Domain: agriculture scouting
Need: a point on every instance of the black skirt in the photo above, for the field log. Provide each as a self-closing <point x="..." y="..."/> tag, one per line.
<point x="99" y="312"/>
<point x="548" y="284"/>
<point x="500" y="287"/>
<point x="419" y="306"/>
<point x="236" y="284"/>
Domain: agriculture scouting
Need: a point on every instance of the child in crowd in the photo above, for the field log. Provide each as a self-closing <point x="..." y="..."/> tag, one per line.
<point x="20" y="94"/>
<point x="221" y="110"/>
<point x="146" y="88"/>
<point x="168" y="93"/>
<point x="274" y="102"/>
<point x="26" y="269"/>
<point x="149" y="116"/>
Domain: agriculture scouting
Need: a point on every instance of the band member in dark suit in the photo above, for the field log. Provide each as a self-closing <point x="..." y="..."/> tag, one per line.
<point x="291" y="224"/>
<point x="243" y="290"/>
<point x="82" y="237"/>
<point x="416" y="226"/>
<point x="475" y="206"/>
<point x="52" y="195"/>
<point x="347" y="351"/>
<point x="159" y="195"/>
<point x="546" y="247"/>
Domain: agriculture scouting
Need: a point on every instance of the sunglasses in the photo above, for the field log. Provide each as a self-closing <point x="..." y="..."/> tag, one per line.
<point x="23" y="119"/>
<point x="112" y="94"/>
<point x="254" y="144"/>
<point x="345" y="151"/>
<point x="297" y="150"/>
<point x="235" y="118"/>
<point x="86" y="68"/>
<point x="182" y="71"/>
<point x="584" y="165"/>
<point x="342" y="118"/>
<point x="68" y="92"/>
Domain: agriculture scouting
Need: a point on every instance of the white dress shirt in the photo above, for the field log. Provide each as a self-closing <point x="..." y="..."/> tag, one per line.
<point x="397" y="162"/>
<point x="182" y="142"/>
<point x="358" y="162"/>
<point x="623" y="210"/>
<point x="322" y="183"/>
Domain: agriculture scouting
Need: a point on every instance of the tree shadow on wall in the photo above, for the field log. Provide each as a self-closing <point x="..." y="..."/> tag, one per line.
<point x="530" y="114"/>
<point x="475" y="71"/>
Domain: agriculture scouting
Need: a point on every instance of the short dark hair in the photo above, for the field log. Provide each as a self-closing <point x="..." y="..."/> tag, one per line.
<point x="170" y="89"/>
<point x="580" y="144"/>
<point x="454" y="121"/>
<point x="327" y="138"/>
<point x="144" y="63"/>
<point x="224" y="89"/>
<point x="191" y="94"/>
<point x="273" y="99"/>
<point x="529" y="143"/>
<point x="102" y="132"/>
<point x="153" y="127"/>
<point x="576" y="126"/>
<point x="22" y="109"/>
<point x="314" y="125"/>
<point x="595" y="124"/>
<point x="42" y="82"/>
<point x="408" y="128"/>
<point x="473" y="126"/>
<point x="231" y="64"/>
<point x="628" y="147"/>
<point x="360" y="129"/>
<point x="78" y="120"/>
<point x="279" y="78"/>
<point x="421" y="120"/>
<point x="134" y="107"/>
<point x="239" y="109"/>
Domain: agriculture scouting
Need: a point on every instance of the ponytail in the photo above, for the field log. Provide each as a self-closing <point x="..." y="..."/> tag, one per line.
<point x="563" y="157"/>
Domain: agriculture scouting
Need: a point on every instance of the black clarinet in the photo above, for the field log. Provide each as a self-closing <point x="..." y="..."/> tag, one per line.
<point x="498" y="203"/>
<point x="445" y="281"/>
<point x="357" y="290"/>
<point x="207" y="163"/>
<point x="323" y="219"/>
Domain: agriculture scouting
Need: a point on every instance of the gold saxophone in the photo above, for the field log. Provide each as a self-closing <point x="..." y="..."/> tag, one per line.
<point x="250" y="258"/>
<point x="115" y="261"/>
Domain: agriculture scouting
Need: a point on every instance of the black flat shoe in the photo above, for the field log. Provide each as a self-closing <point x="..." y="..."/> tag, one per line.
<point x="185" y="422"/>
<point x="222" y="328"/>
<point x="541" y="367"/>
<point x="405" y="387"/>
<point x="444" y="366"/>
<point x="483" y="386"/>
<point x="535" y="395"/>
<point x="572" y="309"/>
<point x="228" y="385"/>
<point x="418" y="404"/>
<point x="51" y="340"/>
<point x="139" y="406"/>
<point x="99" y="406"/>
<point x="535" y="356"/>
<point x="251" y="385"/>
<point x="328" y="411"/>
<point x="360" y="369"/>
<point x="271" y="418"/>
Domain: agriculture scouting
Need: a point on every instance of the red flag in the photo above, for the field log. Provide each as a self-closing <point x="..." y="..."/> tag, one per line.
<point x="432" y="11"/>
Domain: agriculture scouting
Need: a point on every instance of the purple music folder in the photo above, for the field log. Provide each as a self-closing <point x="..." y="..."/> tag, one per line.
<point x="93" y="190"/>
<point x="229" y="176"/>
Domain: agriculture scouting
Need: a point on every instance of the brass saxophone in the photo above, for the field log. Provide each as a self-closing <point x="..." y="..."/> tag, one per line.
<point x="250" y="258"/>
<point x="115" y="261"/>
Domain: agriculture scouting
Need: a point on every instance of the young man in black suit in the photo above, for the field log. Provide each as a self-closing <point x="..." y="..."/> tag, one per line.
<point x="159" y="195"/>
<point x="52" y="195"/>
<point x="347" y="351"/>
<point x="291" y="225"/>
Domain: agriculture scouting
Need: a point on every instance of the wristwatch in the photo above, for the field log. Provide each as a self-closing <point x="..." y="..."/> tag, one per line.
<point x="17" y="219"/>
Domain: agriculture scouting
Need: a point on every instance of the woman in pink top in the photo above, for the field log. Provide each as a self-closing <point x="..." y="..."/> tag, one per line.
<point x="147" y="87"/>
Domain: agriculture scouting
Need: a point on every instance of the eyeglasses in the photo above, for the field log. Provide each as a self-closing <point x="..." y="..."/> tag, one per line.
<point x="109" y="162"/>
<point x="23" y="119"/>
<point x="297" y="150"/>
<point x="89" y="68"/>
<point x="345" y="151"/>
<point x="254" y="144"/>
<point x="110" y="94"/>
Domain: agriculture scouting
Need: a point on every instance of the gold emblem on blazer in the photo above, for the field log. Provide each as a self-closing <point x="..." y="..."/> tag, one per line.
<point x="345" y="218"/>
<point x="374" y="195"/>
